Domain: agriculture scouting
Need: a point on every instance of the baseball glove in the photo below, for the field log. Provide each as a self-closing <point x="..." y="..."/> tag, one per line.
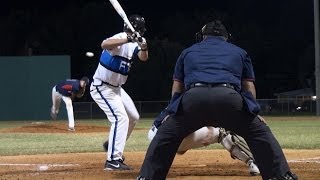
<point x="80" y="93"/>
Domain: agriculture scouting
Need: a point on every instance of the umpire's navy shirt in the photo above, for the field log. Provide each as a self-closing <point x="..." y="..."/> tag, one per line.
<point x="213" y="60"/>
<point x="67" y="87"/>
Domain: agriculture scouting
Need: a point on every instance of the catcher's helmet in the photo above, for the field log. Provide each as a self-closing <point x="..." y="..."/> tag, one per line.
<point x="138" y="24"/>
<point x="213" y="28"/>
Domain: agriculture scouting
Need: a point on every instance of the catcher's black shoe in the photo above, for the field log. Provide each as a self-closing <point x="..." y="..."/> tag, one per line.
<point x="105" y="146"/>
<point x="116" y="165"/>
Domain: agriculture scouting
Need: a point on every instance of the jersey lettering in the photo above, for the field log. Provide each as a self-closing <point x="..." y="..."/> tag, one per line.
<point x="125" y="66"/>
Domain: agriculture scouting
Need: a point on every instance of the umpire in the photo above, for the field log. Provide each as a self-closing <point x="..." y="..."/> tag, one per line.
<point x="217" y="82"/>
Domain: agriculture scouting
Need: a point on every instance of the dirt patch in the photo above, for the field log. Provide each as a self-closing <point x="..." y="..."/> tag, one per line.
<point x="195" y="164"/>
<point x="57" y="127"/>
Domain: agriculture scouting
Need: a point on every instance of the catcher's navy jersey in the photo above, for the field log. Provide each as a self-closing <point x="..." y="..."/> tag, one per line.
<point x="227" y="63"/>
<point x="67" y="87"/>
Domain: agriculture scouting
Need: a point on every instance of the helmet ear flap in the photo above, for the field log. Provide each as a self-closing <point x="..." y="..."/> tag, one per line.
<point x="215" y="28"/>
<point x="199" y="35"/>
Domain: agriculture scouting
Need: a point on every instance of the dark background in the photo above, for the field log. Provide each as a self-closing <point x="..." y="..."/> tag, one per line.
<point x="278" y="35"/>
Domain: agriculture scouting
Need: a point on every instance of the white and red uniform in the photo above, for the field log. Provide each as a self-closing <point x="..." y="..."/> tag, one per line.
<point x="106" y="91"/>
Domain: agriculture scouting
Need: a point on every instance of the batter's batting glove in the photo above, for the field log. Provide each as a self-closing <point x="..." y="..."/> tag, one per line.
<point x="129" y="38"/>
<point x="143" y="44"/>
<point x="134" y="37"/>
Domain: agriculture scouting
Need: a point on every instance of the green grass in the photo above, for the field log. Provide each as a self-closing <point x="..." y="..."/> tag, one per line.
<point x="291" y="132"/>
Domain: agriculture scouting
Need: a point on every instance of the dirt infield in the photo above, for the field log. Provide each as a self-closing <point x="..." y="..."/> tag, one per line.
<point x="195" y="164"/>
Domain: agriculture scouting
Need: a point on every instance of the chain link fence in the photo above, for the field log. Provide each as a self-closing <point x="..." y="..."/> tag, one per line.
<point x="90" y="110"/>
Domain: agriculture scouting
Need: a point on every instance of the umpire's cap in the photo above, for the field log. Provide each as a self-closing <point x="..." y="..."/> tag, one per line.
<point x="85" y="79"/>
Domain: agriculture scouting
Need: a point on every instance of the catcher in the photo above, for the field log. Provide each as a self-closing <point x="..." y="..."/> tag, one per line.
<point x="205" y="136"/>
<point x="67" y="90"/>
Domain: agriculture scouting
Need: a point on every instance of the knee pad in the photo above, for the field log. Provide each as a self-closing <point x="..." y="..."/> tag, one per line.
<point x="152" y="132"/>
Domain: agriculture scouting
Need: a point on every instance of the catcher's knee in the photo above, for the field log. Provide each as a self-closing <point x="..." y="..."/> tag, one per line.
<point x="212" y="135"/>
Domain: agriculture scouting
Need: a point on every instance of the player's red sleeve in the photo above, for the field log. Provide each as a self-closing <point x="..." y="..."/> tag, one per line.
<point x="67" y="87"/>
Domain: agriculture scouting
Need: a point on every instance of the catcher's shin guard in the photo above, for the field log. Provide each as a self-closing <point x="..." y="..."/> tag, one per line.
<point x="237" y="147"/>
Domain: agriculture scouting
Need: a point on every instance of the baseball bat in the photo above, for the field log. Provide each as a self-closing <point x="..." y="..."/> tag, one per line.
<point x="121" y="12"/>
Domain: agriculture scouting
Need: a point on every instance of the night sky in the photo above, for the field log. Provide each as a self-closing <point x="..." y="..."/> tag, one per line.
<point x="278" y="35"/>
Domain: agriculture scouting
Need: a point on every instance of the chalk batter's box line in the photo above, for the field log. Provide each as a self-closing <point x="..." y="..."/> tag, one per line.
<point x="306" y="160"/>
<point x="49" y="165"/>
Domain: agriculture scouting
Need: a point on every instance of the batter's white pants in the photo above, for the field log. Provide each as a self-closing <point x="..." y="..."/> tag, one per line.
<point x="120" y="111"/>
<point x="56" y="101"/>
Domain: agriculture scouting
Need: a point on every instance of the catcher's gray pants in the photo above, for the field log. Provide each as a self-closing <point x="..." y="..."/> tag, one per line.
<point x="219" y="107"/>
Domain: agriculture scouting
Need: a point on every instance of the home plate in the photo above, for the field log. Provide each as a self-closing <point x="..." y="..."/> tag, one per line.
<point x="37" y="123"/>
<point x="42" y="167"/>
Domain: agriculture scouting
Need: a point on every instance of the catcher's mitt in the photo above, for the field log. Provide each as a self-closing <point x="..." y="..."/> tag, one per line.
<point x="81" y="92"/>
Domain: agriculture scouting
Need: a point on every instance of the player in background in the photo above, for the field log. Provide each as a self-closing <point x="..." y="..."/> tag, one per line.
<point x="67" y="90"/>
<point x="205" y="136"/>
<point x="119" y="52"/>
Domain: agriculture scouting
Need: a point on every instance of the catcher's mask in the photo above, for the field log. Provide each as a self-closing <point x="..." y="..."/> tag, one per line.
<point x="85" y="80"/>
<point x="138" y="24"/>
<point x="214" y="28"/>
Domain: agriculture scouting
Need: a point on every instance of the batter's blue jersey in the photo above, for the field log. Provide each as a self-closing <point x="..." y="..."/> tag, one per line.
<point x="68" y="86"/>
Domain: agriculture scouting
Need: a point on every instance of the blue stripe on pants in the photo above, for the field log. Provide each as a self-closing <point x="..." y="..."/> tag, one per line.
<point x="116" y="123"/>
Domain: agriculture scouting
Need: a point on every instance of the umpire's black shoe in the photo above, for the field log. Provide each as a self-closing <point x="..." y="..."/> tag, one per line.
<point x="288" y="176"/>
<point x="116" y="165"/>
<point x="141" y="178"/>
<point x="105" y="146"/>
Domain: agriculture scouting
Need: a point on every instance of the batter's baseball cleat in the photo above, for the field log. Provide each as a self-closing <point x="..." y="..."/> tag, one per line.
<point x="71" y="129"/>
<point x="253" y="168"/>
<point x="116" y="165"/>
